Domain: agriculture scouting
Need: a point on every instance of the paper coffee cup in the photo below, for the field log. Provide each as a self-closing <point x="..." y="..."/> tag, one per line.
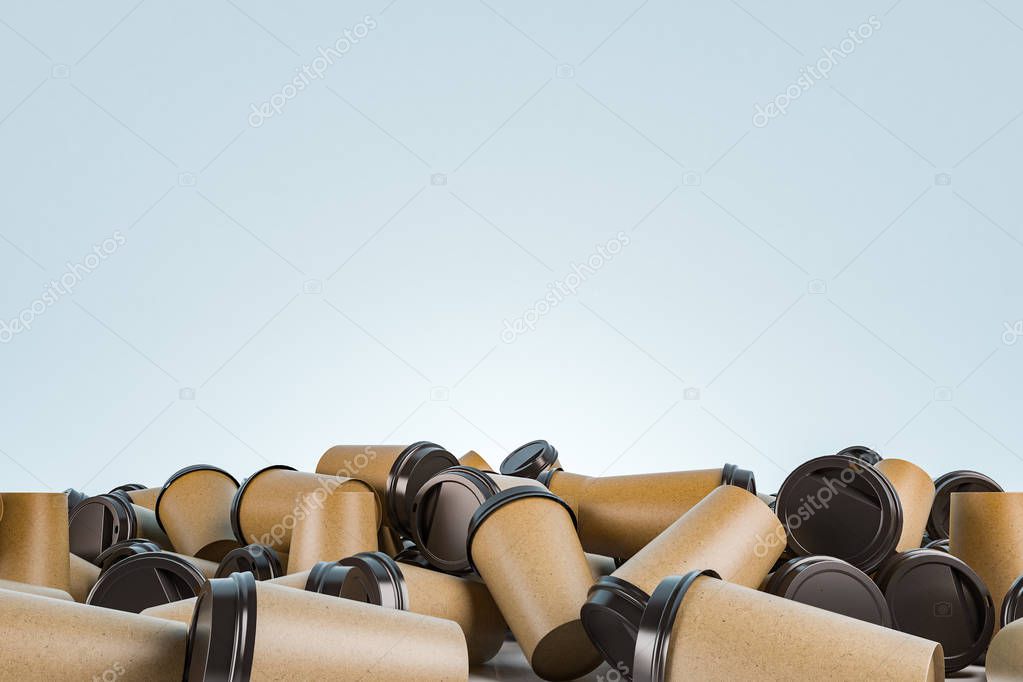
<point x="523" y="543"/>
<point x="395" y="472"/>
<point x="346" y="523"/>
<point x="1012" y="604"/>
<point x="531" y="460"/>
<point x="944" y="486"/>
<point x="724" y="532"/>
<point x="842" y="507"/>
<point x="1005" y="655"/>
<point x="697" y="627"/>
<point x="62" y="640"/>
<point x="475" y="460"/>
<point x="986" y="531"/>
<point x="444" y="506"/>
<point x="84" y="575"/>
<point x="389" y="541"/>
<point x="38" y="590"/>
<point x="619" y="515"/>
<point x="146" y="497"/>
<point x="259" y="560"/>
<point x="180" y="611"/>
<point x="601" y="566"/>
<point x="123" y="550"/>
<point x="830" y="584"/>
<point x="194" y="508"/>
<point x="105" y="520"/>
<point x="298" y="581"/>
<point x="375" y="578"/>
<point x="862" y="453"/>
<point x="260" y="631"/>
<point x="916" y="495"/>
<point x="139" y="582"/>
<point x="34" y="540"/>
<point x="566" y="485"/>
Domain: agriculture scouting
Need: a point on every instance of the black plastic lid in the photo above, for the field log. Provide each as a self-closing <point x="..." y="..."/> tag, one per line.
<point x="502" y="498"/>
<point x="941" y="544"/>
<point x="936" y="596"/>
<point x="841" y="507"/>
<point x="74" y="498"/>
<point x="833" y="585"/>
<point x="259" y="560"/>
<point x="651" y="658"/>
<point x="611" y="617"/>
<point x="1012" y="605"/>
<point x="180" y="473"/>
<point x="222" y="637"/>
<point x="128" y="488"/>
<point x="862" y="453"/>
<point x="954" y="482"/>
<point x="99" y="522"/>
<point x="326" y="577"/>
<point x="441" y="513"/>
<point x="236" y="501"/>
<point x="530" y="460"/>
<point x="122" y="550"/>
<point x="138" y="582"/>
<point x="416" y="465"/>
<point x="375" y="578"/>
<point x="731" y="474"/>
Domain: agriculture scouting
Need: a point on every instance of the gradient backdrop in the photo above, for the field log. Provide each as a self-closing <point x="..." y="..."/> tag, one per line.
<point x="345" y="263"/>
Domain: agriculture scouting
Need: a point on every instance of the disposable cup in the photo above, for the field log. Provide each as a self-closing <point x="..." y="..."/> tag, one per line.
<point x="194" y="508"/>
<point x="34" y="540"/>
<point x="916" y="495"/>
<point x="345" y="523"/>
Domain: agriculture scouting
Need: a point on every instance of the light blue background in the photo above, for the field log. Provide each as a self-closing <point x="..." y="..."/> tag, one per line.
<point x="842" y="275"/>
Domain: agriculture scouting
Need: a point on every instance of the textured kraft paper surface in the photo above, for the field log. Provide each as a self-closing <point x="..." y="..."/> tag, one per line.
<point x="1005" y="655"/>
<point x="619" y="515"/>
<point x="369" y="463"/>
<point x="475" y="460"/>
<point x="196" y="513"/>
<point x="62" y="640"/>
<point x="728" y="632"/>
<point x="274" y="500"/>
<point x="84" y="575"/>
<point x="180" y="611"/>
<point x="34" y="545"/>
<point x="306" y="636"/>
<point x="731" y="531"/>
<point x="343" y="524"/>
<point x="147" y="526"/>
<point x="916" y="494"/>
<point x="145" y="497"/>
<point x="986" y="531"/>
<point x="37" y="590"/>
<point x="463" y="601"/>
<point x="528" y="554"/>
<point x="295" y="580"/>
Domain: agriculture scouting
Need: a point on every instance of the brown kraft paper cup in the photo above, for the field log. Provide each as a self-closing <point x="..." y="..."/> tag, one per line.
<point x="106" y="643"/>
<point x="375" y="578"/>
<point x="37" y="590"/>
<point x="1005" y="655"/>
<point x="697" y="627"/>
<point x="566" y="485"/>
<point x="986" y="531"/>
<point x="346" y="523"/>
<point x="730" y="531"/>
<point x="915" y="489"/>
<point x="194" y="508"/>
<point x="180" y="611"/>
<point x="475" y="460"/>
<point x="260" y="631"/>
<point x="619" y="515"/>
<point x="523" y="544"/>
<point x="295" y="580"/>
<point x="102" y="521"/>
<point x="395" y="472"/>
<point x="389" y="541"/>
<point x="34" y="540"/>
<point x="84" y="575"/>
<point x="145" y="498"/>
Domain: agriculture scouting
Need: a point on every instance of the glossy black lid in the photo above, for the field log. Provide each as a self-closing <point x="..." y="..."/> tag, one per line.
<point x="1012" y="605"/>
<point x="530" y="460"/>
<point x="416" y="465"/>
<point x="138" y="582"/>
<point x="954" y="482"/>
<point x="650" y="662"/>
<point x="326" y="577"/>
<point x="611" y="617"/>
<point x="842" y="507"/>
<point x="181" y="473"/>
<point x="833" y="585"/>
<point x="375" y="578"/>
<point x="222" y="636"/>
<point x="731" y="474"/>
<point x="441" y="513"/>
<point x="259" y="560"/>
<point x="99" y="522"/>
<point x="941" y="544"/>
<point x="236" y="501"/>
<point x="862" y="453"/>
<point x="936" y="596"/>
<point x="411" y="555"/>
<point x="123" y="550"/>
<point x="128" y="488"/>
